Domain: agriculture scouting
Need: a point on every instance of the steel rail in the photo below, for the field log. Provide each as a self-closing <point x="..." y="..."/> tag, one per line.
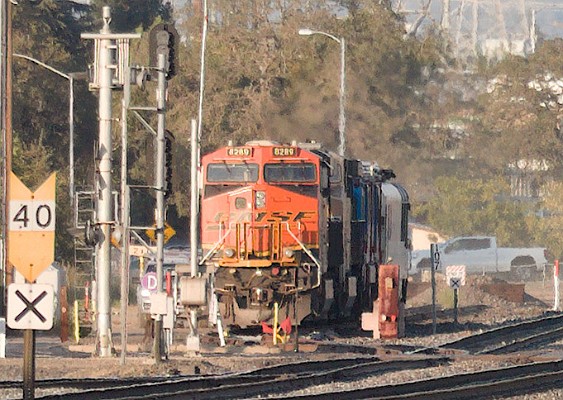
<point x="510" y="333"/>
<point x="501" y="336"/>
<point x="488" y="384"/>
<point x="276" y="379"/>
<point x="536" y="340"/>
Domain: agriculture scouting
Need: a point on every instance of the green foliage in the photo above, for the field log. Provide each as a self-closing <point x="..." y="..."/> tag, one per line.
<point x="129" y="15"/>
<point x="50" y="33"/>
<point x="476" y="207"/>
<point x="549" y="229"/>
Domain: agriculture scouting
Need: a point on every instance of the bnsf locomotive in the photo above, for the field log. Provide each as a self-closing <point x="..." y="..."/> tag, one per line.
<point x="302" y="227"/>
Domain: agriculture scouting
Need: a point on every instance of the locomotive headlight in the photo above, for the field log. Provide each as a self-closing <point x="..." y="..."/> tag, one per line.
<point x="289" y="253"/>
<point x="229" y="253"/>
<point x="260" y="199"/>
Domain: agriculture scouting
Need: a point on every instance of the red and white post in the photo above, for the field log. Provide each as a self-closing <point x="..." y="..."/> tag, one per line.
<point x="556" y="285"/>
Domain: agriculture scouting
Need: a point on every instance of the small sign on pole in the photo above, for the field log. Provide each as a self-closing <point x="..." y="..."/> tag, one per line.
<point x="149" y="281"/>
<point x="30" y="306"/>
<point x="455" y="276"/>
<point x="435" y="258"/>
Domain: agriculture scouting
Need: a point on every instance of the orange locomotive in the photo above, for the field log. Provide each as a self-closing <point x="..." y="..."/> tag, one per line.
<point x="300" y="227"/>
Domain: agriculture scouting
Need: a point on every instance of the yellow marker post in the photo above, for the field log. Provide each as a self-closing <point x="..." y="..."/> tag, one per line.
<point x="76" y="322"/>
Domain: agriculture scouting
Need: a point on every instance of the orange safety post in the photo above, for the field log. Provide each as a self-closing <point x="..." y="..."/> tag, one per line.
<point x="389" y="301"/>
<point x="168" y="283"/>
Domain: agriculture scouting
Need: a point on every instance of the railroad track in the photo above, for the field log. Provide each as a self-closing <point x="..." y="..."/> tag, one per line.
<point x="292" y="376"/>
<point x="512" y="337"/>
<point x="488" y="384"/>
<point x="85" y="383"/>
<point x="275" y="379"/>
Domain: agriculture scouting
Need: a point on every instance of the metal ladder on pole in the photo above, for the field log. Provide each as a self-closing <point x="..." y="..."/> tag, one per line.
<point x="84" y="260"/>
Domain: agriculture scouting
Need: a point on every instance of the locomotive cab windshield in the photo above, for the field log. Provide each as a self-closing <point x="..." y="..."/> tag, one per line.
<point x="227" y="172"/>
<point x="290" y="173"/>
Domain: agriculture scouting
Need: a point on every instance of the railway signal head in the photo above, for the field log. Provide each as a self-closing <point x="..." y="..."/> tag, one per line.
<point x="164" y="39"/>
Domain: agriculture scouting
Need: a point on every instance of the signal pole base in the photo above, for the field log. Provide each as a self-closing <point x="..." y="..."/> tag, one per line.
<point x="193" y="344"/>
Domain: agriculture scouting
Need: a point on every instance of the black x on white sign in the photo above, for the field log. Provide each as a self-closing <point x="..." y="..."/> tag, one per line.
<point x="30" y="306"/>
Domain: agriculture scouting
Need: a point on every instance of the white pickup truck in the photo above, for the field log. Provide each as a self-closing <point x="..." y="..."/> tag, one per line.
<point x="480" y="254"/>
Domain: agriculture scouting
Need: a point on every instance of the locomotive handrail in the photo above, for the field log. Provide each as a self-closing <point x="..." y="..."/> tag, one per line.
<point x="308" y="252"/>
<point x="215" y="247"/>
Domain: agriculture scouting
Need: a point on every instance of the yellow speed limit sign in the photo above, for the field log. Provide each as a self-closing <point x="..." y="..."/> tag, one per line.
<point x="31" y="227"/>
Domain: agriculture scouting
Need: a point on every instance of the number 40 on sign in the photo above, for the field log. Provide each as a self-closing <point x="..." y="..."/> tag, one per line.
<point x="32" y="215"/>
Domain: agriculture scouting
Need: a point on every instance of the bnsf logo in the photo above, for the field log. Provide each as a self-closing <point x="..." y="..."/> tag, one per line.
<point x="265" y="216"/>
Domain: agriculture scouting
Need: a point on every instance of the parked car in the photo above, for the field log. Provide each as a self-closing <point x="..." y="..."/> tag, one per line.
<point x="481" y="255"/>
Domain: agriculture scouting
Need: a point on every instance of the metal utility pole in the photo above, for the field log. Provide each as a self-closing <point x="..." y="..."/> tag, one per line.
<point x="195" y="141"/>
<point x="6" y="124"/>
<point x="124" y="214"/>
<point x="342" y="114"/>
<point x="104" y="205"/>
<point x="107" y="77"/>
<point x="159" y="184"/>
<point x="6" y="93"/>
<point x="194" y="218"/>
<point x="342" y="96"/>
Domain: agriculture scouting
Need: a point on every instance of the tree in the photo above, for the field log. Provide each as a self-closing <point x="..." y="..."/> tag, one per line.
<point x="518" y="118"/>
<point x="477" y="207"/>
<point x="50" y="32"/>
<point x="548" y="230"/>
<point x="131" y="15"/>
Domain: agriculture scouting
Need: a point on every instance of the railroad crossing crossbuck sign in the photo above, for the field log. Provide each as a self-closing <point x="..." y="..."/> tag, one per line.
<point x="455" y="276"/>
<point x="30" y="306"/>
<point x="31" y="227"/>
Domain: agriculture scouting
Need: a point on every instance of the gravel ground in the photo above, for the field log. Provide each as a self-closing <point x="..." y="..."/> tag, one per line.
<point x="477" y="311"/>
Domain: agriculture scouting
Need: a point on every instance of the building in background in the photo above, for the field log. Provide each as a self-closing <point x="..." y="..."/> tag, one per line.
<point x="422" y="236"/>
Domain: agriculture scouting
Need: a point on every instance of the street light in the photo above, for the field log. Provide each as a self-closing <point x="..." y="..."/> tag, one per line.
<point x="342" y="116"/>
<point x="70" y="78"/>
